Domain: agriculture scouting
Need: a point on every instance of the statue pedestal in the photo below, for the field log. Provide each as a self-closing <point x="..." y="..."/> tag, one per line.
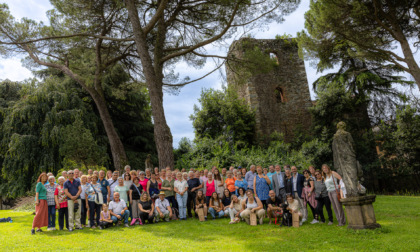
<point x="360" y="213"/>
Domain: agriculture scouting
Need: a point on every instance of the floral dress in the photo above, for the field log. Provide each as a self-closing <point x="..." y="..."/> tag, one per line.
<point x="262" y="188"/>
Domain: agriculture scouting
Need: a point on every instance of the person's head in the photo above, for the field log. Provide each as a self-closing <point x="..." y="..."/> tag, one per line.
<point x="214" y="196"/>
<point x="287" y="172"/>
<point x="120" y="181"/>
<point x="116" y="196"/>
<point x="252" y="168"/>
<point x="71" y="175"/>
<point x="90" y="172"/>
<point x="89" y="178"/>
<point x="94" y="178"/>
<point x="156" y="170"/>
<point x="179" y="176"/>
<point x="133" y="174"/>
<point x="83" y="179"/>
<point x="101" y="174"/>
<point x="61" y="180"/>
<point x="105" y="207"/>
<point x="216" y="171"/>
<point x="97" y="173"/>
<point x="50" y="174"/>
<point x="224" y="170"/>
<point x="285" y="167"/>
<point x="197" y="174"/>
<point x="271" y="168"/>
<point x="51" y="180"/>
<point x="318" y="175"/>
<point x="76" y="173"/>
<point x="289" y="198"/>
<point x="127" y="176"/>
<point x="234" y="198"/>
<point x="243" y="171"/>
<point x="312" y="169"/>
<point x="168" y="168"/>
<point x="108" y="174"/>
<point x="64" y="174"/>
<point x="163" y="174"/>
<point x="115" y="175"/>
<point x="226" y="192"/>
<point x="201" y="173"/>
<point x="326" y="170"/>
<point x="249" y="193"/>
<point x="265" y="170"/>
<point x="148" y="172"/>
<point x="185" y="176"/>
<point x="231" y="168"/>
<point x="294" y="170"/>
<point x="152" y="176"/>
<point x="191" y="174"/>
<point x="80" y="173"/>
<point x="241" y="191"/>
<point x="169" y="174"/>
<point x="205" y="172"/>
<point x="229" y="174"/>
<point x="142" y="175"/>
<point x="259" y="170"/>
<point x="200" y="194"/>
<point x="174" y="175"/>
<point x="162" y="195"/>
<point x="238" y="175"/>
<point x="144" y="197"/>
<point x="183" y="170"/>
<point x="127" y="169"/>
<point x="272" y="194"/>
<point x="278" y="168"/>
<point x="306" y="173"/>
<point x="210" y="176"/>
<point x="234" y="172"/>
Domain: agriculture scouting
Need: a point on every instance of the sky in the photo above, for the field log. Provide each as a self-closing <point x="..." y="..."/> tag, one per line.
<point x="178" y="107"/>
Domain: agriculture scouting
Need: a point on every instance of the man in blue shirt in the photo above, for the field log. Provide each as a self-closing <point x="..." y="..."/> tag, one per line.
<point x="270" y="175"/>
<point x="73" y="190"/>
<point x="249" y="177"/>
<point x="104" y="186"/>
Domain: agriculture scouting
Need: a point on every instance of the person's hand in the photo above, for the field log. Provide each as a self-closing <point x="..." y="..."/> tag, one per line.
<point x="252" y="210"/>
<point x="309" y="194"/>
<point x="74" y="200"/>
<point x="122" y="212"/>
<point x="37" y="202"/>
<point x="58" y="206"/>
<point x="170" y="215"/>
<point x="151" y="213"/>
<point x="119" y="217"/>
<point x="131" y="202"/>
<point x="87" y="207"/>
<point x="161" y="215"/>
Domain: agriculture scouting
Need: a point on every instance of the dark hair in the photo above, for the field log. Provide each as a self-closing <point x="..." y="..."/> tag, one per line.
<point x="249" y="190"/>
<point x="307" y="171"/>
<point x="212" y="199"/>
<point x="217" y="176"/>
<point x="224" y="195"/>
<point x="289" y="195"/>
<point x="127" y="174"/>
<point x="199" y="199"/>
<point x="40" y="176"/>
<point x="243" y="190"/>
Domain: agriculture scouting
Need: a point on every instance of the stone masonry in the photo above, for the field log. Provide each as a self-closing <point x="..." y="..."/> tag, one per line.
<point x="281" y="97"/>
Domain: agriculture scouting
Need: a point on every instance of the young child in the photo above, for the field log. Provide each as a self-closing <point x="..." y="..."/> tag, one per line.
<point x="294" y="207"/>
<point x="105" y="220"/>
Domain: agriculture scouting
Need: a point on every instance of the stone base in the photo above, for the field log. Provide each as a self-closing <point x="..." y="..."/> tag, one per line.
<point x="360" y="213"/>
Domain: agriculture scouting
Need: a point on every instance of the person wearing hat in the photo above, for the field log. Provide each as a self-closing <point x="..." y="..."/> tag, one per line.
<point x="163" y="209"/>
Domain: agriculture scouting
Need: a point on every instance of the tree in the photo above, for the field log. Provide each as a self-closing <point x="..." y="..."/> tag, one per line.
<point x="166" y="32"/>
<point x="83" y="58"/>
<point x="368" y="30"/>
<point x="222" y="115"/>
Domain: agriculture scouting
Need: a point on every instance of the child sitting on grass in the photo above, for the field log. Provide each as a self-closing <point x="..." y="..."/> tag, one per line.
<point x="105" y="220"/>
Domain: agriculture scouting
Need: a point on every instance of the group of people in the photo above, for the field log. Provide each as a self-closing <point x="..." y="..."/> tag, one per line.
<point x="139" y="197"/>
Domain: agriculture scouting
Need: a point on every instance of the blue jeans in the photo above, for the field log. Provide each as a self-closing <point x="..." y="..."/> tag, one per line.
<point x="51" y="216"/>
<point x="125" y="217"/>
<point x="214" y="213"/>
<point x="182" y="204"/>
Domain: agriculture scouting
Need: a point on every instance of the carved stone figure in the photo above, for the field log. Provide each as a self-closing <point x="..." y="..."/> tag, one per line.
<point x="345" y="159"/>
<point x="148" y="163"/>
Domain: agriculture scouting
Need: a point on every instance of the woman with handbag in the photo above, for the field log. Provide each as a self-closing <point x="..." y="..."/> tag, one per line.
<point x="93" y="201"/>
<point x="333" y="188"/>
<point x="308" y="194"/>
<point x="135" y="192"/>
<point x="321" y="196"/>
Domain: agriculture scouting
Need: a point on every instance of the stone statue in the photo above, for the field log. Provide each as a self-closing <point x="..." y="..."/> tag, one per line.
<point x="148" y="163"/>
<point x="345" y="160"/>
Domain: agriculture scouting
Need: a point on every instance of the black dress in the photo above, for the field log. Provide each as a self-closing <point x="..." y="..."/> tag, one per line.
<point x="147" y="205"/>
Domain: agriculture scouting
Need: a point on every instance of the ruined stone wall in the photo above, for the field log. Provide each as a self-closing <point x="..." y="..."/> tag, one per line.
<point x="281" y="97"/>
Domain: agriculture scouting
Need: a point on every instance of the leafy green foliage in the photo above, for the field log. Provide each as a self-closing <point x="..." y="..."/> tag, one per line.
<point x="223" y="116"/>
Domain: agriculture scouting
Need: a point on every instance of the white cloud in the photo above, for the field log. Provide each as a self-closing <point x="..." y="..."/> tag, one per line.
<point x="12" y="69"/>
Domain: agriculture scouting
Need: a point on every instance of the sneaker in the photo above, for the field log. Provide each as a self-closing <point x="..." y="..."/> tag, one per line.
<point x="300" y="223"/>
<point x="314" y="221"/>
<point x="70" y="229"/>
<point x="133" y="221"/>
<point x="304" y="220"/>
<point x="49" y="229"/>
<point x="80" y="228"/>
<point x="39" y="230"/>
<point x="322" y="222"/>
<point x="140" y="222"/>
<point x="32" y="231"/>
<point x="330" y="223"/>
<point x="126" y="225"/>
<point x="100" y="227"/>
<point x="53" y="229"/>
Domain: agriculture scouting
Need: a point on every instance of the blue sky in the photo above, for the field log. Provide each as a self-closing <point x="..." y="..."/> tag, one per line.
<point x="179" y="107"/>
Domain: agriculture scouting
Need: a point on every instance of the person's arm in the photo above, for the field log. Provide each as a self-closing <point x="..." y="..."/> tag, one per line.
<point x="141" y="207"/>
<point x="260" y="206"/>
<point x="170" y="211"/>
<point x="113" y="214"/>
<point x="109" y="193"/>
<point x="78" y="192"/>
<point x="158" y="209"/>
<point x="66" y="191"/>
<point x="148" y="187"/>
<point x="152" y="210"/>
<point x="175" y="187"/>
<point x="186" y="188"/>
<point x="211" y="203"/>
<point x="102" y="217"/>
<point x="336" y="175"/>
<point x="57" y="205"/>
<point x="311" y="182"/>
<point x="267" y="179"/>
<point x="130" y="195"/>
<point x="255" y="187"/>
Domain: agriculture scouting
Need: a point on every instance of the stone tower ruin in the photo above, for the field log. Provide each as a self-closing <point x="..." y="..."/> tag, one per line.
<point x="280" y="97"/>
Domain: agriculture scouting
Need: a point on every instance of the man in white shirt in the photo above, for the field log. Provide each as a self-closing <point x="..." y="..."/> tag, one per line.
<point x="113" y="182"/>
<point x="163" y="209"/>
<point x="118" y="210"/>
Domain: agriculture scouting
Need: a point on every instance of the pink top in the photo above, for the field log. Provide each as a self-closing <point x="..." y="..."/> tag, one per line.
<point x="144" y="183"/>
<point x="105" y="215"/>
<point x="210" y="188"/>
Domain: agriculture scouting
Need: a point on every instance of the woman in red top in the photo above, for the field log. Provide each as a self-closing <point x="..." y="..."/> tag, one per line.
<point x="143" y="180"/>
<point x="210" y="187"/>
<point x="230" y="182"/>
<point x="61" y="204"/>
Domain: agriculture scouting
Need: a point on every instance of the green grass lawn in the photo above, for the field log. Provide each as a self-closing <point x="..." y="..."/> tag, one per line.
<point x="398" y="215"/>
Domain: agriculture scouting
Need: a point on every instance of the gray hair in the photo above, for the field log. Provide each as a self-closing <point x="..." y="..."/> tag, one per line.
<point x="61" y="177"/>
<point x="120" y="178"/>
<point x="142" y="172"/>
<point x="51" y="177"/>
<point x="147" y="169"/>
<point x="252" y="166"/>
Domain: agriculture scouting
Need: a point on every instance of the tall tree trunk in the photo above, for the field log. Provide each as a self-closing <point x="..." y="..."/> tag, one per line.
<point x="117" y="148"/>
<point x="162" y="132"/>
<point x="411" y="62"/>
